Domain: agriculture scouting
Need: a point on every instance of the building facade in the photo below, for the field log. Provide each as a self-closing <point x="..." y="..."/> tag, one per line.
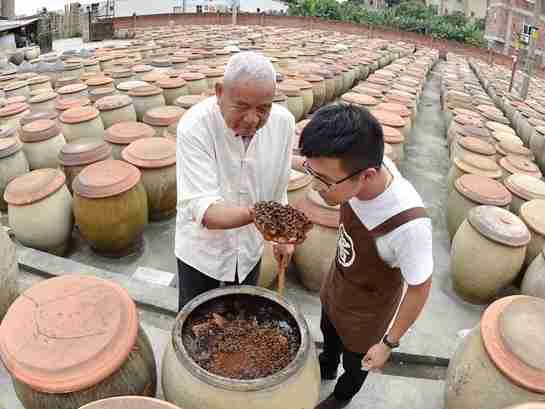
<point x="469" y="8"/>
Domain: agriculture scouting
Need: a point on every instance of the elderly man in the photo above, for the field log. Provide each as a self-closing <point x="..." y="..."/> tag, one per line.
<point x="234" y="149"/>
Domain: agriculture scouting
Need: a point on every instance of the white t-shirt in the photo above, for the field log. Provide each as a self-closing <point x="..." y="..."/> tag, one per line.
<point x="409" y="247"/>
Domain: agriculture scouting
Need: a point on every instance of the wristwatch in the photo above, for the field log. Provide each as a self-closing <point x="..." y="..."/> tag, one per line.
<point x="390" y="344"/>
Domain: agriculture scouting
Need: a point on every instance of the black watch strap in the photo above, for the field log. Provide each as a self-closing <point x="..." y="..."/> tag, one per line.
<point x="389" y="344"/>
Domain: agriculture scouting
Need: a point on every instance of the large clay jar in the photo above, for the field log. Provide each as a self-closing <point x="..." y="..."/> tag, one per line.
<point x="45" y="102"/>
<point x="396" y="140"/>
<point x="173" y="88"/>
<point x="156" y="159"/>
<point x="138" y="402"/>
<point x="393" y="120"/>
<point x="83" y="343"/>
<point x="17" y="89"/>
<point x="213" y="76"/>
<point x="500" y="362"/>
<point x="161" y="118"/>
<point x="534" y="279"/>
<point x="318" y="91"/>
<point x="115" y="109"/>
<point x="145" y="98"/>
<point x="187" y="101"/>
<point x="467" y="145"/>
<point x="512" y="164"/>
<point x="13" y="163"/>
<point x="298" y="186"/>
<point x="42" y="142"/>
<point x="141" y="70"/>
<point x="313" y="258"/>
<point x="524" y="188"/>
<point x="471" y="191"/>
<point x="500" y="238"/>
<point x="537" y="146"/>
<point x="40" y="82"/>
<point x="73" y="91"/>
<point x="363" y="100"/>
<point x="120" y="135"/>
<point x="82" y="122"/>
<point x="125" y="87"/>
<point x="306" y="93"/>
<point x="196" y="82"/>
<point x="64" y="104"/>
<point x="400" y="110"/>
<point x="11" y="114"/>
<point x="8" y="273"/>
<point x="295" y="100"/>
<point x="473" y="164"/>
<point x="111" y="207"/>
<point x="40" y="210"/>
<point x="533" y="214"/>
<point x="75" y="156"/>
<point x="98" y="82"/>
<point x="189" y="386"/>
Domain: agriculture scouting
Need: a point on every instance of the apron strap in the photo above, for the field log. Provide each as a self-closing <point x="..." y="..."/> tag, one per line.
<point x="398" y="220"/>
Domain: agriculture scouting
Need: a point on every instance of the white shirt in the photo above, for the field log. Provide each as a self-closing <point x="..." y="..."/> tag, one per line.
<point x="409" y="247"/>
<point x="213" y="166"/>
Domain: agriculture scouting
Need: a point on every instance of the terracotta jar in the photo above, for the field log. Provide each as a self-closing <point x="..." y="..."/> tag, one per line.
<point x="8" y="273"/>
<point x="8" y="132"/>
<point x="497" y="127"/>
<point x="533" y="214"/>
<point x="63" y="81"/>
<point x="120" y="75"/>
<point x="524" y="188"/>
<point x="534" y="279"/>
<point x="138" y="402"/>
<point x="537" y="146"/>
<point x="500" y="362"/>
<point x="314" y="257"/>
<point x="12" y="113"/>
<point x="40" y="210"/>
<point x="172" y="89"/>
<point x="363" y="100"/>
<point x="81" y="122"/>
<point x="281" y="99"/>
<point x="13" y="163"/>
<point x="393" y="120"/>
<point x="153" y="77"/>
<point x="500" y="235"/>
<point x="156" y="159"/>
<point x="295" y="100"/>
<point x="306" y="93"/>
<point x="36" y="116"/>
<point x="42" y="142"/>
<point x="100" y="81"/>
<point x="73" y="91"/>
<point x="213" y="77"/>
<point x="141" y="70"/>
<point x="171" y="132"/>
<point x="161" y="118"/>
<point x="145" y="98"/>
<point x="318" y="91"/>
<point x="115" y="109"/>
<point x="471" y="191"/>
<point x="187" y="101"/>
<point x="40" y="82"/>
<point x="473" y="164"/>
<point x="19" y="88"/>
<point x="396" y="140"/>
<point x="512" y="164"/>
<point x="106" y="62"/>
<point x="75" y="70"/>
<point x="469" y="145"/>
<point x="196" y="82"/>
<point x="64" y="104"/>
<point x="91" y="66"/>
<point x="98" y="93"/>
<point x="507" y="147"/>
<point x="400" y="110"/>
<point x="43" y="102"/>
<point x="90" y="346"/>
<point x="75" y="156"/>
<point x="187" y="385"/>
<point x="122" y="134"/>
<point x="111" y="207"/>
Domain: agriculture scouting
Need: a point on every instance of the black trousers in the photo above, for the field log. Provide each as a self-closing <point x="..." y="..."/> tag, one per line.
<point x="351" y="381"/>
<point x="191" y="282"/>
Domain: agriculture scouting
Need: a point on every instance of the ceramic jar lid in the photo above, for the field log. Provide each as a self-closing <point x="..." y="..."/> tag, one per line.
<point x="40" y="130"/>
<point x="318" y="211"/>
<point x="43" y="97"/>
<point x="139" y="402"/>
<point x="478" y="165"/>
<point x="141" y="68"/>
<point x="40" y="79"/>
<point x="507" y="147"/>
<point x="526" y="187"/>
<point x="474" y="131"/>
<point x="33" y="187"/>
<point x="359" y="99"/>
<point x="84" y="152"/>
<point x="9" y="146"/>
<point x="13" y="109"/>
<point x="192" y="76"/>
<point x="35" y="116"/>
<point x="392" y="135"/>
<point x="72" y="89"/>
<point x="495" y="126"/>
<point x="15" y="85"/>
<point x="398" y="109"/>
<point x="106" y="178"/>
<point x="517" y="164"/>
<point x="477" y="145"/>
<point x="503" y="136"/>
<point x="63" y="104"/>
<point x="171" y="83"/>
<point x="513" y="334"/>
<point x="16" y="100"/>
<point x="389" y="118"/>
<point x="163" y="115"/>
<point x="113" y="102"/>
<point x="145" y="91"/>
<point x="153" y="77"/>
<point x="289" y="90"/>
<point x="97" y="93"/>
<point x="123" y="133"/>
<point x="533" y="214"/>
<point x="499" y="225"/>
<point x="78" y="115"/>
<point x="151" y="153"/>
<point x="87" y="328"/>
<point x="99" y="81"/>
<point x="126" y="86"/>
<point x="7" y="131"/>
<point x="468" y="120"/>
<point x="483" y="190"/>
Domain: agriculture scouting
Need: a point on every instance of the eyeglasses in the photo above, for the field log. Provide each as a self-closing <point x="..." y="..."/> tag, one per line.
<point x="328" y="185"/>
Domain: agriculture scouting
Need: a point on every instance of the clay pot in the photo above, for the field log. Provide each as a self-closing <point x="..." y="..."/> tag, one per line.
<point x="537" y="146"/>
<point x="64" y="81"/>
<point x="156" y="159"/>
<point x="393" y="120"/>
<point x="173" y="88"/>
<point x="187" y="385"/>
<point x="115" y="109"/>
<point x="100" y="81"/>
<point x="295" y="100"/>
<point x="512" y="164"/>
<point x="16" y="89"/>
<point x="91" y="347"/>
<point x="13" y="163"/>
<point x="500" y="362"/>
<point x="106" y="62"/>
<point x="91" y="66"/>
<point x="73" y="91"/>
<point x="396" y="140"/>
<point x="313" y="258"/>
<point x="187" y="101"/>
<point x="120" y="75"/>
<point x="75" y="156"/>
<point x="507" y="147"/>
<point x="524" y="188"/>
<point x="44" y="102"/>
<point x="40" y="82"/>
<point x="196" y="82"/>
<point x="40" y="210"/>
<point x="64" y="104"/>
<point x="120" y="135"/>
<point x="534" y="279"/>
<point x="473" y="164"/>
<point x="471" y="191"/>
<point x="469" y="145"/>
<point x="135" y="402"/>
<point x="363" y="100"/>
<point x="82" y="122"/>
<point x="111" y="206"/>
<point x="145" y="98"/>
<point x="318" y="91"/>
<point x="161" y="118"/>
<point x="141" y="70"/>
<point x="42" y="142"/>
<point x="11" y="114"/>
<point x="533" y="214"/>
<point x="8" y="273"/>
<point x="98" y="93"/>
<point x="213" y="77"/>
<point x="73" y="70"/>
<point x="501" y="236"/>
<point x="126" y="86"/>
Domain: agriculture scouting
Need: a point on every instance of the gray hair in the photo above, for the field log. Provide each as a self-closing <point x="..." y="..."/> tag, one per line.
<point x="249" y="65"/>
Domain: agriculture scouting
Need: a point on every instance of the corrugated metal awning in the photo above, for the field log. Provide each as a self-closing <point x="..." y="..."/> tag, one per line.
<point x="6" y="25"/>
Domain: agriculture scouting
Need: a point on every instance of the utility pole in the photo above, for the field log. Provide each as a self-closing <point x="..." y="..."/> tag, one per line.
<point x="234" y="7"/>
<point x="531" y="50"/>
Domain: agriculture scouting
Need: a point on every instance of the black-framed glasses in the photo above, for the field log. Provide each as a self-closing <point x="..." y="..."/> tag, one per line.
<point x="328" y="185"/>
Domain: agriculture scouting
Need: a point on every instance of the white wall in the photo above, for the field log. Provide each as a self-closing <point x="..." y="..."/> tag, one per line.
<point x="124" y="8"/>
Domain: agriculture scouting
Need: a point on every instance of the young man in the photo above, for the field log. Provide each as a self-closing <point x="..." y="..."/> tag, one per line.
<point x="385" y="241"/>
<point x="233" y="149"/>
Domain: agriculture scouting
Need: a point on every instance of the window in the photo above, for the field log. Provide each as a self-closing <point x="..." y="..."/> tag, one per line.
<point x="205" y="8"/>
<point x="199" y="9"/>
<point x="472" y="14"/>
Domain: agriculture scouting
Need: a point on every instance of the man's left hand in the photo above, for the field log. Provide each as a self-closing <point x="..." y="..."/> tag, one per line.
<point x="283" y="252"/>
<point x="376" y="357"/>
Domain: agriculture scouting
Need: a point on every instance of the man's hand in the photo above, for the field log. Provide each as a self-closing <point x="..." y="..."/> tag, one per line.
<point x="283" y="252"/>
<point x="376" y="357"/>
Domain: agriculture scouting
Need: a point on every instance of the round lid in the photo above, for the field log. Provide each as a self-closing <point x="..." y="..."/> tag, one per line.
<point x="13" y="109"/>
<point x="475" y="131"/>
<point x="289" y="90"/>
<point x="63" y="104"/>
<point x="106" y="178"/>
<point x="153" y="77"/>
<point x="187" y="101"/>
<point x="98" y="93"/>
<point x="113" y="102"/>
<point x="15" y="85"/>
<point x="40" y="79"/>
<point x="99" y="80"/>
<point x="279" y="97"/>
<point x="84" y="152"/>
<point x="359" y="99"/>
<point x="139" y="402"/>
<point x="145" y="91"/>
<point x="533" y="214"/>
<point x="140" y="68"/>
<point x="374" y="92"/>
<point x="192" y="76"/>
<point x="389" y="118"/>
<point x="526" y="187"/>
<point x="78" y="115"/>
<point x="301" y="84"/>
<point x="151" y="153"/>
<point x="392" y="135"/>
<point x="519" y="164"/>
<point x="472" y="120"/>
<point x="478" y="165"/>
<point x="513" y="334"/>
<point x="43" y="97"/>
<point x="122" y="73"/>
<point x="34" y="116"/>
<point x="163" y="115"/>
<point x="313" y="78"/>
<point x="503" y="136"/>
<point x="495" y="126"/>
<point x="169" y="83"/>
<point x="396" y="108"/>
<point x="78" y="330"/>
<point x="33" y="187"/>
<point x="7" y="131"/>
<point x="72" y="88"/>
<point x="39" y="130"/>
<point x="510" y="146"/>
<point x="477" y="145"/>
<point x="9" y="146"/>
<point x="126" y="86"/>
<point x="483" y="190"/>
<point x="123" y="133"/>
<point x="15" y="100"/>
<point x="499" y="225"/>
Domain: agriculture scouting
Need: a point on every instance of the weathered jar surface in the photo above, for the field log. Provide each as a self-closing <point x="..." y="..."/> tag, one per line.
<point x="13" y="163"/>
<point x="81" y="122"/>
<point x="145" y="98"/>
<point x="122" y="134"/>
<point x="42" y="142"/>
<point x="115" y="109"/>
<point x="8" y="273"/>
<point x="533" y="214"/>
<point x="534" y="279"/>
<point x="524" y="188"/>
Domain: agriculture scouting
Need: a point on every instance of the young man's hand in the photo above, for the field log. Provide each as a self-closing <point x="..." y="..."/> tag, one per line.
<point x="376" y="357"/>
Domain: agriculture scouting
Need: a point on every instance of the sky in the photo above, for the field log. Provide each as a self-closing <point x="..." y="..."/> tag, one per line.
<point x="31" y="6"/>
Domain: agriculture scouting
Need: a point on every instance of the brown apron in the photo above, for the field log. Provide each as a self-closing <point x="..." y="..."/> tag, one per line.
<point x="361" y="292"/>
